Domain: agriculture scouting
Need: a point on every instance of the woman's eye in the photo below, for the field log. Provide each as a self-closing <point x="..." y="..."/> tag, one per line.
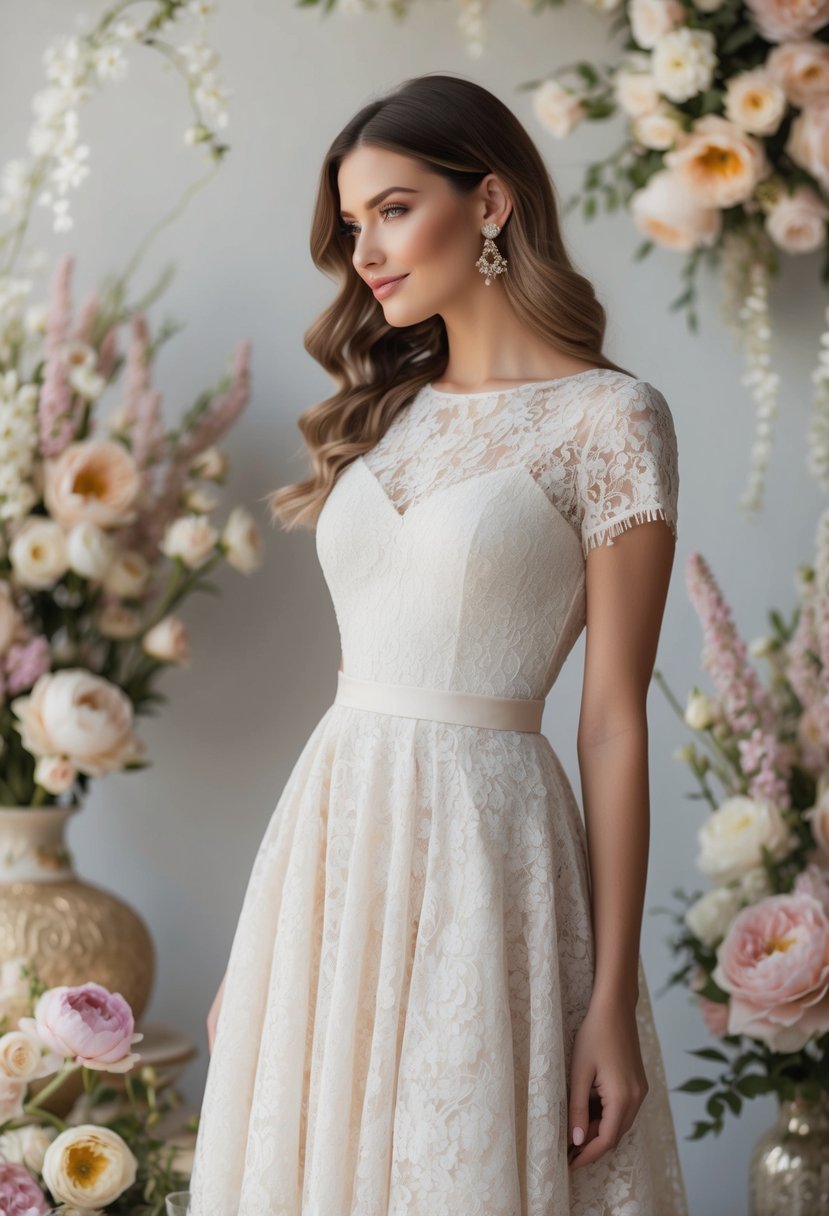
<point x="349" y="229"/>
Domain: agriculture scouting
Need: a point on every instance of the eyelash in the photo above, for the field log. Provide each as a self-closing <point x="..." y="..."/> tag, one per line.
<point x="348" y="229"/>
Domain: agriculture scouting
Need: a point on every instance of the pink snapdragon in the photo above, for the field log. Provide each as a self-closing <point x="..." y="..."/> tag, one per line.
<point x="56" y="422"/>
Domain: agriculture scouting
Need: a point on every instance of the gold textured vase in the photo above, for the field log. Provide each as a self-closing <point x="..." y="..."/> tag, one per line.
<point x="789" y="1170"/>
<point x="72" y="930"/>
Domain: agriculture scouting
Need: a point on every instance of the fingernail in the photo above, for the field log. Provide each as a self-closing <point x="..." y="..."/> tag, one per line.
<point x="578" y="1135"/>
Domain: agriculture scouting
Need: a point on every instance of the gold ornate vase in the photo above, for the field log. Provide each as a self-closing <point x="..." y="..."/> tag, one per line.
<point x="72" y="930"/>
<point x="789" y="1171"/>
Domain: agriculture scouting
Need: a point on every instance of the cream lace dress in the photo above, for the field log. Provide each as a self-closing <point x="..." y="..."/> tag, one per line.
<point x="414" y="952"/>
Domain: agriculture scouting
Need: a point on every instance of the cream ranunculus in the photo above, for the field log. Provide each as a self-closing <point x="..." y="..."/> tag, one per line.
<point x="89" y="549"/>
<point x="779" y="20"/>
<point x="802" y="70"/>
<point x="95" y="480"/>
<point x="169" y="640"/>
<point x="684" y="62"/>
<point x="38" y="553"/>
<point x="797" y="221"/>
<point x="79" y="715"/>
<point x="665" y="211"/>
<point x="755" y="102"/>
<point x="659" y="130"/>
<point x="635" y="91"/>
<point x="808" y="142"/>
<point x="128" y="575"/>
<point x="650" y="20"/>
<point x="699" y="712"/>
<point x="192" y="538"/>
<point x="718" y="163"/>
<point x="557" y="109"/>
<point x="242" y="541"/>
<point x="732" y="837"/>
<point x="22" y="1059"/>
<point x="88" y="1165"/>
<point x="709" y="918"/>
<point x="26" y="1145"/>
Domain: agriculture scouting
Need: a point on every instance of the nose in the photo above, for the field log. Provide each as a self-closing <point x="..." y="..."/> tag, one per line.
<point x="363" y="255"/>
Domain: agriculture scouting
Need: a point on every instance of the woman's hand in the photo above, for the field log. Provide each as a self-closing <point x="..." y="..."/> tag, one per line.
<point x="607" y="1081"/>
<point x="213" y="1016"/>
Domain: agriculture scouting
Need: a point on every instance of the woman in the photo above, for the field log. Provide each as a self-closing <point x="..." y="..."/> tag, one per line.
<point x="434" y="1002"/>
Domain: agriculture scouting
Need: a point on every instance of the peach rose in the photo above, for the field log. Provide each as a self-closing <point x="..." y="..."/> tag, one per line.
<point x="659" y="130"/>
<point x="808" y="142"/>
<point x="755" y="102"/>
<point x="192" y="538"/>
<point x="778" y="20"/>
<point x="719" y="164"/>
<point x="664" y="211"/>
<point x="797" y="221"/>
<point x="128" y="575"/>
<point x="93" y="480"/>
<point x="81" y="716"/>
<point x="774" y="963"/>
<point x="557" y="109"/>
<point x="802" y="70"/>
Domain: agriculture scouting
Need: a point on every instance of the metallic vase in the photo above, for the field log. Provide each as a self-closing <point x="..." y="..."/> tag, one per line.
<point x="789" y="1171"/>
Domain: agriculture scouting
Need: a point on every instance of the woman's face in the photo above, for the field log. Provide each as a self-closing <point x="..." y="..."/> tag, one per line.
<point x="407" y="221"/>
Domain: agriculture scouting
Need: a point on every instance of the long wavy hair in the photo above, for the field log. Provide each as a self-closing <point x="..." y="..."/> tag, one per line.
<point x="460" y="130"/>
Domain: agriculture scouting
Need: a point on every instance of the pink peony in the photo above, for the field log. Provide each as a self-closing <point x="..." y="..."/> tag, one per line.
<point x="88" y="1024"/>
<point x="19" y="1193"/>
<point x="774" y="962"/>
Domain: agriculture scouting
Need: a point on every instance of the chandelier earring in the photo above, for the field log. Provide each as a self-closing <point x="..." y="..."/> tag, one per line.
<point x="490" y="262"/>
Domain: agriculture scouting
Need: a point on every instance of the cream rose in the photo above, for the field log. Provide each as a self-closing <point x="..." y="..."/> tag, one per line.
<point x="650" y="20"/>
<point x="199" y="500"/>
<point x="755" y="102"/>
<point x="797" y="221"/>
<point x="210" y="464"/>
<point x="802" y="70"/>
<point x="665" y="211"/>
<point x="38" y="553"/>
<point x="557" y="109"/>
<point x="718" y="163"/>
<point x="778" y="20"/>
<point x="808" y="142"/>
<point x="732" y="837"/>
<point x="22" y="1059"/>
<point x="118" y="621"/>
<point x="709" y="918"/>
<point x="89" y="549"/>
<point x="26" y="1146"/>
<point x="128" y="575"/>
<point x="242" y="541"/>
<point x="699" y="711"/>
<point x="81" y="716"/>
<point x="635" y="91"/>
<point x="659" y="130"/>
<point x="95" y="480"/>
<point x="169" y="641"/>
<point x="191" y="538"/>
<point x="684" y="62"/>
<point x="88" y="1165"/>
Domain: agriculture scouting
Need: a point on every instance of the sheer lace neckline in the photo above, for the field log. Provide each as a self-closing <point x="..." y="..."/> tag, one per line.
<point x="514" y="388"/>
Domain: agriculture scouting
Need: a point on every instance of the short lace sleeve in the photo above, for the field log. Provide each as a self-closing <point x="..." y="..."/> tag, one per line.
<point x="629" y="470"/>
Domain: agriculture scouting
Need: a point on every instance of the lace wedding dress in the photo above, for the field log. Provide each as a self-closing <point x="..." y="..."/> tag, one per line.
<point x="414" y="952"/>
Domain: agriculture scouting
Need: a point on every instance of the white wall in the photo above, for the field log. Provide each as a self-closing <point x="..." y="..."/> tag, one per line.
<point x="178" y="840"/>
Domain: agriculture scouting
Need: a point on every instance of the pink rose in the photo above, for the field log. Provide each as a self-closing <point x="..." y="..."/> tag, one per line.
<point x="714" y="1014"/>
<point x="774" y="962"/>
<point x="778" y="20"/>
<point x="87" y="1023"/>
<point x="19" y="1193"/>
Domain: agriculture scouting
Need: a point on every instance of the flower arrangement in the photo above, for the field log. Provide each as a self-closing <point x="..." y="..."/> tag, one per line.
<point x="105" y="522"/>
<point x="104" y="1156"/>
<point x="755" y="946"/>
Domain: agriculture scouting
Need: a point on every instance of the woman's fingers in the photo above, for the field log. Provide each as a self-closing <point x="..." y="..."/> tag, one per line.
<point x="616" y="1116"/>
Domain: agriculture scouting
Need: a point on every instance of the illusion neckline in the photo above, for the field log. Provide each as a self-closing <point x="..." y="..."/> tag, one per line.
<point x="514" y="388"/>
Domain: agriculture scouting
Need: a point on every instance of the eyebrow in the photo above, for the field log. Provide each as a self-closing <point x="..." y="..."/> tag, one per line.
<point x="378" y="198"/>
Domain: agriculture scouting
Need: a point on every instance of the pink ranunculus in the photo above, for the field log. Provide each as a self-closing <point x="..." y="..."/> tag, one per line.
<point x="88" y="1024"/>
<point x="774" y="963"/>
<point x="19" y="1193"/>
<point x="715" y="1016"/>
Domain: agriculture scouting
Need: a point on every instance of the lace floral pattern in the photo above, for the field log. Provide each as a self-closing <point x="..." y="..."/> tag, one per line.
<point x="414" y="953"/>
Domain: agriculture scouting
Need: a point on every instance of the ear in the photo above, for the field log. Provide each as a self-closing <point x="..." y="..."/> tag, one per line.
<point x="495" y="199"/>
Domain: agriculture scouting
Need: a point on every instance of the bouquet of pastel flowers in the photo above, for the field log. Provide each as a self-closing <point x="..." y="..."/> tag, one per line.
<point x="105" y="525"/>
<point x="103" y="1157"/>
<point x="755" y="946"/>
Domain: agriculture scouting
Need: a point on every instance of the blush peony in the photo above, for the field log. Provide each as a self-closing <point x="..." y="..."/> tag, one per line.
<point x="88" y="1024"/>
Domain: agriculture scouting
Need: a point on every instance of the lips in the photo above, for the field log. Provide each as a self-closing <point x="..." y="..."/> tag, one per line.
<point x="382" y="282"/>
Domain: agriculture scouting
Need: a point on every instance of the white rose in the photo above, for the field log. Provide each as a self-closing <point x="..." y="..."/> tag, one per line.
<point x="12" y="1097"/>
<point x="26" y="1146"/>
<point x="113" y="1166"/>
<point x="128" y="575"/>
<point x="118" y="621"/>
<point x="659" y="130"/>
<point x="754" y="101"/>
<point x="242" y="541"/>
<point x="732" y="836"/>
<point x="168" y="641"/>
<point x="650" y="20"/>
<point x="89" y="549"/>
<point x="684" y="62"/>
<point x="557" y="109"/>
<point x="191" y="538"/>
<point x="636" y="92"/>
<point x="10" y="618"/>
<point x="709" y="918"/>
<point x="698" y="711"/>
<point x="211" y="464"/>
<point x="21" y="1058"/>
<point x="38" y="553"/>
<point x="55" y="774"/>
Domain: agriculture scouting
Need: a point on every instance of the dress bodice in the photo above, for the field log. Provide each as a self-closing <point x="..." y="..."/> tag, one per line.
<point x="455" y="549"/>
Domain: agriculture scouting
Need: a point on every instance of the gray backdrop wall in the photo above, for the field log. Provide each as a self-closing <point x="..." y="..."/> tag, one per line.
<point x="178" y="840"/>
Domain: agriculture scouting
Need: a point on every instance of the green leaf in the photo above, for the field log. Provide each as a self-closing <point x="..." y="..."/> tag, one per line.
<point x="710" y="1053"/>
<point x="696" y="1085"/>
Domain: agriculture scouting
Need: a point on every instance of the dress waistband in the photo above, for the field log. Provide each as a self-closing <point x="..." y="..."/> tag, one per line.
<point x="440" y="704"/>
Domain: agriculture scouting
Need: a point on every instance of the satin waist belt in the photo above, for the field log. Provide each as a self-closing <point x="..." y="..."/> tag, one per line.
<point x="440" y="704"/>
